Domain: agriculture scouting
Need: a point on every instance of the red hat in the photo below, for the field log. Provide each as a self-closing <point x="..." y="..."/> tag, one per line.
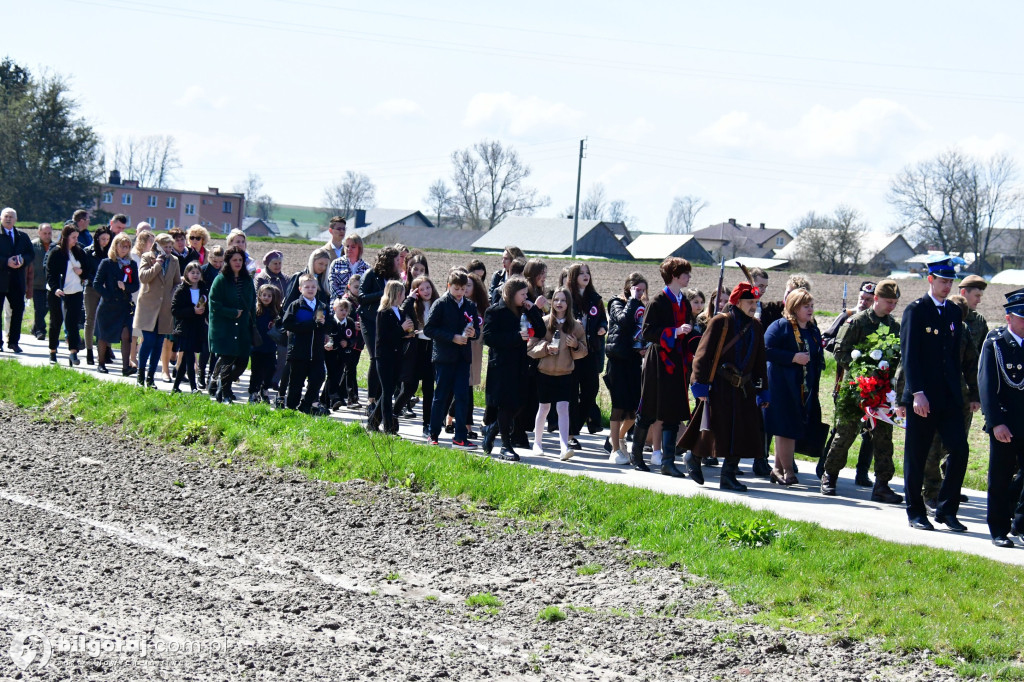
<point x="744" y="290"/>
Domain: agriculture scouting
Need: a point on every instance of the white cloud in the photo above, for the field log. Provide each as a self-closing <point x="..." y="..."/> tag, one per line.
<point x="397" y="108"/>
<point x="867" y="129"/>
<point x="195" y="97"/>
<point x="518" y="115"/>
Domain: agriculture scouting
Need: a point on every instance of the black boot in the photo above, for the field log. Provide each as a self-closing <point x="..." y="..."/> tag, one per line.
<point x="636" y="452"/>
<point x="89" y="360"/>
<point x="490" y="431"/>
<point x="202" y="377"/>
<point x="53" y="357"/>
<point x="693" y="467"/>
<point x="728" y="480"/>
<point x="881" y="492"/>
<point x="226" y="396"/>
<point x="761" y="467"/>
<point x="140" y="379"/>
<point x="668" y="455"/>
<point x="150" y="379"/>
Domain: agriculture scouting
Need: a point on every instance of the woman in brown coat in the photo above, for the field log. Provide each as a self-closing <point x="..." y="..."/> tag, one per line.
<point x="733" y="388"/>
<point x="158" y="273"/>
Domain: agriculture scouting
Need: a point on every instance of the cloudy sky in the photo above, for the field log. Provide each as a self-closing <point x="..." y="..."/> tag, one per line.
<point x="767" y="110"/>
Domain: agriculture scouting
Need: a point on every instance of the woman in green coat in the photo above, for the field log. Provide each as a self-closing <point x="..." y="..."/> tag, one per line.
<point x="232" y="322"/>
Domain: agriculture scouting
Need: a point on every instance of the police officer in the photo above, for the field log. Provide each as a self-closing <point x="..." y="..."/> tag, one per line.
<point x="862" y="325"/>
<point x="865" y="299"/>
<point x="1001" y="384"/>
<point x="929" y="346"/>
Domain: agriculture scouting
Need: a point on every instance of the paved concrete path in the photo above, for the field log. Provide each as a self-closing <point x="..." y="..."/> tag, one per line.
<point x="851" y="510"/>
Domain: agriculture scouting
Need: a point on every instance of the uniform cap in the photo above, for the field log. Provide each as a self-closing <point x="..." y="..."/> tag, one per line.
<point x="942" y="266"/>
<point x="867" y="287"/>
<point x="973" y="281"/>
<point x="887" y="288"/>
<point x="1015" y="303"/>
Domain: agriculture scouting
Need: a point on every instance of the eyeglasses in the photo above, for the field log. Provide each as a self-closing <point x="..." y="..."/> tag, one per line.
<point x="195" y="239"/>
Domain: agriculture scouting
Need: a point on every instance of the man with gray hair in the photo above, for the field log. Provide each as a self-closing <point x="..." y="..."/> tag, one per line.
<point x="15" y="253"/>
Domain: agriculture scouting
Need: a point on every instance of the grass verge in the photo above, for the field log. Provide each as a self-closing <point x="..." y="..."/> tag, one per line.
<point x="966" y="609"/>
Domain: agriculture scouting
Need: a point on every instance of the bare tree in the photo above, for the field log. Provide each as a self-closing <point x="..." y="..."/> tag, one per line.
<point x="442" y="202"/>
<point x="956" y="201"/>
<point x="258" y="204"/>
<point x="488" y="184"/>
<point x="683" y="214"/>
<point x="152" y="160"/>
<point x="355" y="190"/>
<point x="593" y="206"/>
<point x="831" y="244"/>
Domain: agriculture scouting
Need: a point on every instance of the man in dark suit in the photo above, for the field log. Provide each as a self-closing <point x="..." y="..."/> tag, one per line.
<point x="1001" y="385"/>
<point x="15" y="252"/>
<point x="930" y="349"/>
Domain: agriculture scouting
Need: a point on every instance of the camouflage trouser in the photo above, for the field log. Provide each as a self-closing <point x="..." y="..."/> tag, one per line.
<point x="881" y="442"/>
<point x="934" y="466"/>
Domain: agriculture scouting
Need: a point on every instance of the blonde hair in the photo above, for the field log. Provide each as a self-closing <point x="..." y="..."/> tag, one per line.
<point x="237" y="233"/>
<point x="393" y="291"/>
<point x="143" y="241"/>
<point x="796" y="299"/>
<point x="200" y="231"/>
<point x="798" y="282"/>
<point x="118" y="239"/>
<point x="165" y="240"/>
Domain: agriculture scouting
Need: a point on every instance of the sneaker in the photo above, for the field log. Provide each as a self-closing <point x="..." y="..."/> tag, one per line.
<point x="449" y="428"/>
<point x="656" y="458"/>
<point x="538" y="450"/>
<point x="618" y="457"/>
<point x="426" y="434"/>
<point x="464" y="444"/>
<point x="408" y="414"/>
<point x="433" y="441"/>
<point x="574" y="444"/>
<point x="567" y="454"/>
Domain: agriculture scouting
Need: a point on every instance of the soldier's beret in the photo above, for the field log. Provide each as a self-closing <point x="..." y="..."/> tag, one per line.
<point x="887" y="288"/>
<point x="973" y="281"/>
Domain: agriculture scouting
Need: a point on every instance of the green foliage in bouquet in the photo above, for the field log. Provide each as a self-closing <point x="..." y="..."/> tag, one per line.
<point x="869" y="376"/>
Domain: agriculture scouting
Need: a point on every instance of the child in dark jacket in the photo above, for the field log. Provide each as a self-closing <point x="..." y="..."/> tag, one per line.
<point x="392" y="327"/>
<point x="214" y="262"/>
<point x="191" y="326"/>
<point x="337" y="347"/>
<point x="452" y="325"/>
<point x="307" y="322"/>
<point x="263" y="361"/>
<point x="352" y="359"/>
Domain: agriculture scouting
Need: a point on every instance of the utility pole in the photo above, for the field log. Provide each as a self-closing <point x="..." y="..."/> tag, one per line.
<point x="576" y="211"/>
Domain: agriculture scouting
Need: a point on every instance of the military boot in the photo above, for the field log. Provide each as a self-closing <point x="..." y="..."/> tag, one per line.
<point x="883" y="493"/>
<point x="728" y="480"/>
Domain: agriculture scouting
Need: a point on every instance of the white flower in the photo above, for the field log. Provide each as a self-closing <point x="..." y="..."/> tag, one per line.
<point x="890" y="397"/>
<point x="876" y="355"/>
<point x="855" y="354"/>
<point x="883" y="365"/>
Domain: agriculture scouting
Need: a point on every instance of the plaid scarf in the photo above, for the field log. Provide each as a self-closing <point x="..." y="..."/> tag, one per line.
<point x="668" y="340"/>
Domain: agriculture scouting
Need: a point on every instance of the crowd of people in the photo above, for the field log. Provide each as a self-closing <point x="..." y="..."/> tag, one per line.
<point x="697" y="383"/>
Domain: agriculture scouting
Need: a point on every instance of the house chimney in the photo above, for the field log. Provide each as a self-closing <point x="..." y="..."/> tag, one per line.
<point x="213" y="190"/>
<point x="732" y="221"/>
<point x="360" y="217"/>
<point x="115" y="177"/>
<point x="762" y="226"/>
<point x="748" y="224"/>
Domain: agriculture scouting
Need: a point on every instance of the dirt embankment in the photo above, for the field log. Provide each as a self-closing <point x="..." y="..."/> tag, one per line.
<point x="223" y="572"/>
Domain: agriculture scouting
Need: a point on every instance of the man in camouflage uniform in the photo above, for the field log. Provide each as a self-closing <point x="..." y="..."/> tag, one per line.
<point x="862" y="325"/>
<point x="972" y="289"/>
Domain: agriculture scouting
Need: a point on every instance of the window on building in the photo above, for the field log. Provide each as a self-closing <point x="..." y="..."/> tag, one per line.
<point x="126" y="199"/>
<point x="780" y="241"/>
<point x="172" y="202"/>
<point x="151" y="201"/>
<point x="227" y="207"/>
<point x="190" y="209"/>
<point x="108" y="197"/>
<point x="227" y="227"/>
<point x="169" y="223"/>
<point x="151" y="220"/>
<point x="128" y="221"/>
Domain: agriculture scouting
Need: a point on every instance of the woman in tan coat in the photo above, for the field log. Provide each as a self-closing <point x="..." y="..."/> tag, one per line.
<point x="158" y="273"/>
<point x="556" y="353"/>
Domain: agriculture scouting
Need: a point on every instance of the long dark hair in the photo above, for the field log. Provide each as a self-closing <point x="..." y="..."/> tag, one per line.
<point x="95" y="249"/>
<point x="632" y="280"/>
<point x="226" y="268"/>
<point x="480" y="297"/>
<point x="534" y="268"/>
<point x="64" y="234"/>
<point x="420" y="304"/>
<point x="385" y="263"/>
<point x="513" y="285"/>
<point x="569" y="326"/>
<point x="580" y="301"/>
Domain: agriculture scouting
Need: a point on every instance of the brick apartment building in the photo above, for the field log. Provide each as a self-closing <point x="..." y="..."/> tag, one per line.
<point x="167" y="208"/>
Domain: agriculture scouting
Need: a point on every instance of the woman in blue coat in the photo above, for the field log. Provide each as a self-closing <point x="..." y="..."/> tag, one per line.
<point x="795" y="361"/>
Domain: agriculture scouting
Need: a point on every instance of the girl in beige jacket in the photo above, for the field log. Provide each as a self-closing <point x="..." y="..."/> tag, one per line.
<point x="557" y="351"/>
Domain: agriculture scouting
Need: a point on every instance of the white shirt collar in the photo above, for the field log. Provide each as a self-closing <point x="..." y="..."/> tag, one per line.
<point x="311" y="304"/>
<point x="1020" y="342"/>
<point x="397" y="312"/>
<point x="937" y="302"/>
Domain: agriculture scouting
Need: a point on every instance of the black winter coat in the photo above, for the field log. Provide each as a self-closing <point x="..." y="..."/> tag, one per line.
<point x="507" y="362"/>
<point x="305" y="334"/>
<point x="447" y="320"/>
<point x="186" y="323"/>
<point x="625" y="320"/>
